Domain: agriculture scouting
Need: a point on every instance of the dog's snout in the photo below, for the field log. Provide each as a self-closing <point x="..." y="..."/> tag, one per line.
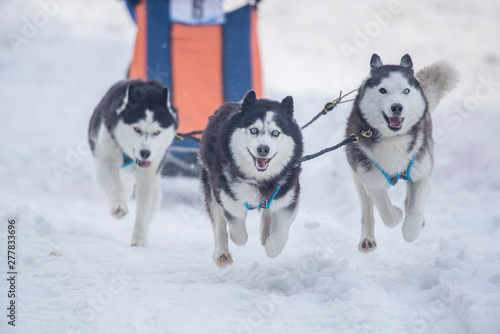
<point x="397" y="108"/>
<point x="263" y="150"/>
<point x="145" y="154"/>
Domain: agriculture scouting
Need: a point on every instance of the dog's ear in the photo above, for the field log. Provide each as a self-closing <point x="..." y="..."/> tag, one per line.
<point x="125" y="101"/>
<point x="137" y="92"/>
<point x="375" y="61"/>
<point x="287" y="105"/>
<point x="406" y="61"/>
<point x="165" y="97"/>
<point x="249" y="99"/>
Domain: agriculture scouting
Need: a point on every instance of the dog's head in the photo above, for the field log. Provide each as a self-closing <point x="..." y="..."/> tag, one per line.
<point x="391" y="99"/>
<point x="147" y="123"/>
<point x="264" y="138"/>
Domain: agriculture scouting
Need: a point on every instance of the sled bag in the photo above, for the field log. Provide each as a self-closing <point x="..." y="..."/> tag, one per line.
<point x="206" y="59"/>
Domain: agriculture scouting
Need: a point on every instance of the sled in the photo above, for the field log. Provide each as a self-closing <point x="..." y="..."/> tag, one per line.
<point x="205" y="63"/>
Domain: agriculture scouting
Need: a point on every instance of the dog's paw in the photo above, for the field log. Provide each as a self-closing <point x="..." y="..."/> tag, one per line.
<point x="367" y="245"/>
<point x="263" y="239"/>
<point x="139" y="242"/>
<point x="412" y="226"/>
<point x="223" y="259"/>
<point x="264" y="234"/>
<point x="274" y="246"/>
<point x="119" y="209"/>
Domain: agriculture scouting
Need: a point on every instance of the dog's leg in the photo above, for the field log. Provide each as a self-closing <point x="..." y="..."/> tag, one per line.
<point x="265" y="226"/>
<point x="407" y="198"/>
<point x="367" y="242"/>
<point x="237" y="228"/>
<point x="417" y="195"/>
<point x="107" y="173"/>
<point x="148" y="194"/>
<point x="128" y="182"/>
<point x="222" y="256"/>
<point x="391" y="215"/>
<point x="281" y="221"/>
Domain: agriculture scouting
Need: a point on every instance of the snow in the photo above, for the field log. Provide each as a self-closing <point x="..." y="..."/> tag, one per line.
<point x="76" y="270"/>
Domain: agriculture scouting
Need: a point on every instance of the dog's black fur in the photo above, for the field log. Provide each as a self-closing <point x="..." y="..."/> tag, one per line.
<point x="357" y="123"/>
<point x="142" y="96"/>
<point x="223" y="177"/>
<point x="217" y="157"/>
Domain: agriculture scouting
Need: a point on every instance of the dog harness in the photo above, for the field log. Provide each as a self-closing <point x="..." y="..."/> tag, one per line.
<point x="126" y="160"/>
<point x="265" y="204"/>
<point x="393" y="179"/>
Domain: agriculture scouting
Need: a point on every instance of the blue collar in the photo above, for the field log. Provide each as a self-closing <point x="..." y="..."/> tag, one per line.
<point x="126" y="160"/>
<point x="393" y="179"/>
<point x="265" y="204"/>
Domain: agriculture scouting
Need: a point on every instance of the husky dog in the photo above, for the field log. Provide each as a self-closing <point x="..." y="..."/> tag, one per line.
<point x="129" y="134"/>
<point x="249" y="153"/>
<point x="396" y="105"/>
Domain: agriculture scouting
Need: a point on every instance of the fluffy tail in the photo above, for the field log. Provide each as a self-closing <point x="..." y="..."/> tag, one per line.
<point x="436" y="80"/>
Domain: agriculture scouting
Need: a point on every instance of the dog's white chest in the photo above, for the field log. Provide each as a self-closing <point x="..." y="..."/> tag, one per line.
<point x="392" y="154"/>
<point x="243" y="193"/>
<point x="247" y="193"/>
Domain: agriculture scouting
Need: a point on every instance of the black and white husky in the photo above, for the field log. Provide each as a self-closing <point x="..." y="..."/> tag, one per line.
<point x="249" y="153"/>
<point x="129" y="134"/>
<point x="396" y="105"/>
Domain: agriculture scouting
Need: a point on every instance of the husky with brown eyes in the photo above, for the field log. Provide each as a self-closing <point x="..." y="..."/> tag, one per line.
<point x="249" y="153"/>
<point x="396" y="105"/>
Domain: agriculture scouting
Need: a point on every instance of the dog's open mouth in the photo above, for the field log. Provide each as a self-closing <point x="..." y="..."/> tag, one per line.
<point x="260" y="163"/>
<point x="395" y="123"/>
<point x="143" y="163"/>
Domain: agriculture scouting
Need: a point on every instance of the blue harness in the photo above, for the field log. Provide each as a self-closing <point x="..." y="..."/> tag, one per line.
<point x="393" y="179"/>
<point x="126" y="160"/>
<point x="265" y="204"/>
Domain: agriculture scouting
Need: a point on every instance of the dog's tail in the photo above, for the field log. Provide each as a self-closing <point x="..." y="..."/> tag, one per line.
<point x="436" y="80"/>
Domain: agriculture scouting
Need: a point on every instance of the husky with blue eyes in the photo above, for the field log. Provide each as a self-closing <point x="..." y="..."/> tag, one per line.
<point x="396" y="105"/>
<point x="129" y="134"/>
<point x="249" y="152"/>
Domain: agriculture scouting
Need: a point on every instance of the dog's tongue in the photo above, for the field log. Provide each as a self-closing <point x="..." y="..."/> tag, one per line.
<point x="395" y="122"/>
<point x="144" y="164"/>
<point x="261" y="162"/>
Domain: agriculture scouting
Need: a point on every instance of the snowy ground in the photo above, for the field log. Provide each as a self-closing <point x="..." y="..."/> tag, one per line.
<point x="76" y="270"/>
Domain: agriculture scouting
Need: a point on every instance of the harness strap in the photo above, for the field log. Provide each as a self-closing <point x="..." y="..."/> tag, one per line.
<point x="393" y="179"/>
<point x="409" y="168"/>
<point x="329" y="107"/>
<point x="265" y="204"/>
<point x="126" y="160"/>
<point x="188" y="135"/>
<point x="353" y="138"/>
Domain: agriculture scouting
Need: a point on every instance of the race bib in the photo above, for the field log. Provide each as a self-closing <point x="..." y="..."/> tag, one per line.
<point x="196" y="12"/>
